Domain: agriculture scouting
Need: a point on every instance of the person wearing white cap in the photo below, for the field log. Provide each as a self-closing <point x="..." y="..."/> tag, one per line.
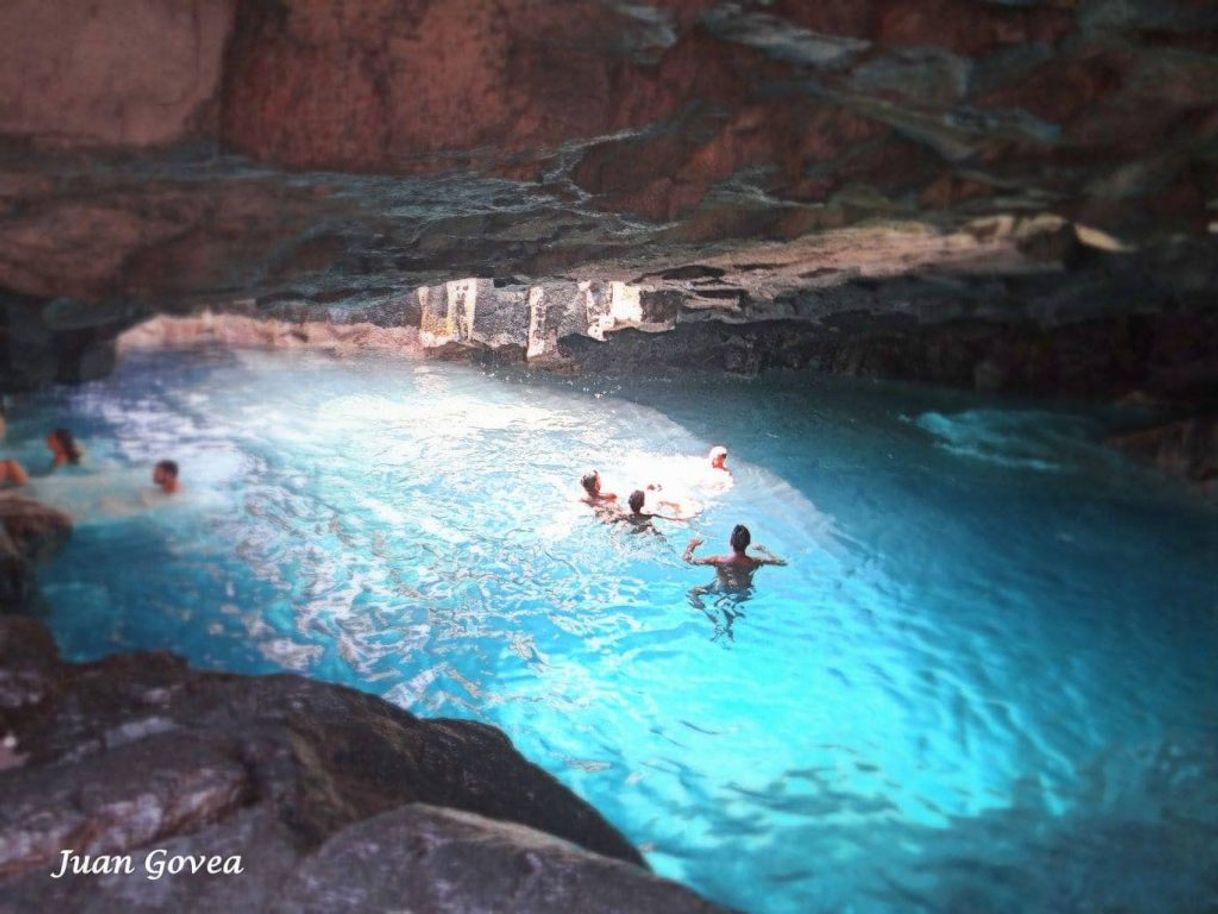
<point x="717" y="475"/>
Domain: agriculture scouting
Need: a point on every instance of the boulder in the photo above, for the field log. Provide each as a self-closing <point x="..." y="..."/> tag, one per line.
<point x="1185" y="448"/>
<point x="332" y="798"/>
<point x="461" y="862"/>
<point x="29" y="532"/>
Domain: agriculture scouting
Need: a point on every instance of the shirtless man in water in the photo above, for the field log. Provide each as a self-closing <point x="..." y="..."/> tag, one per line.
<point x="734" y="572"/>
<point x="165" y="476"/>
<point x="591" y="482"/>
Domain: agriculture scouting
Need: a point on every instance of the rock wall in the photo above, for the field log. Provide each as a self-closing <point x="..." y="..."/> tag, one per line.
<point x="1102" y="109"/>
<point x="508" y="174"/>
<point x="124" y="73"/>
<point x="333" y="800"/>
<point x="1184" y="448"/>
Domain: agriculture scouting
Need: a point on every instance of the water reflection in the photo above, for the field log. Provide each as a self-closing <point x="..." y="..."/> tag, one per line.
<point x="910" y="704"/>
<point x="721" y="601"/>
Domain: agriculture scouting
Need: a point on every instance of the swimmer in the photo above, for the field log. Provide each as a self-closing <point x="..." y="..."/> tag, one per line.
<point x="64" y="448"/>
<point x="734" y="572"/>
<point x="12" y="474"/>
<point x="591" y="482"/>
<point x="640" y="510"/>
<point x="165" y="475"/>
<point x="717" y="475"/>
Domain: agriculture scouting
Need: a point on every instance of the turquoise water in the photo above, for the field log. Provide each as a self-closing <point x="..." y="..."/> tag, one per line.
<point x="986" y="682"/>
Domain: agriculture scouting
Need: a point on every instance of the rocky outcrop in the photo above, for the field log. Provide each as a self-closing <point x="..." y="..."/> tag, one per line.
<point x="504" y="175"/>
<point x="780" y="114"/>
<point x="333" y="800"/>
<point x="984" y="310"/>
<point x="30" y="532"/>
<point x="1185" y="448"/>
<point x="125" y="73"/>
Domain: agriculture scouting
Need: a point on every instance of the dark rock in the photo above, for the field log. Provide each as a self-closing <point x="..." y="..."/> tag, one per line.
<point x="310" y="783"/>
<point x="34" y="528"/>
<point x="28" y="663"/>
<point x="30" y="532"/>
<point x="461" y="862"/>
<point x="1185" y="448"/>
<point x="157" y="785"/>
<point x="661" y="307"/>
<point x="945" y="161"/>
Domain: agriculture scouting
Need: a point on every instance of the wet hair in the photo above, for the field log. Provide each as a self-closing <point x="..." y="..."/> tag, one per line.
<point x="169" y="466"/>
<point x="68" y="443"/>
<point x="589" y="481"/>
<point x="741" y="537"/>
<point x="636" y="501"/>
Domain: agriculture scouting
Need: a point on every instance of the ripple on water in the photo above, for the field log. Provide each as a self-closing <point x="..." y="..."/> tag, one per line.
<point x="984" y="679"/>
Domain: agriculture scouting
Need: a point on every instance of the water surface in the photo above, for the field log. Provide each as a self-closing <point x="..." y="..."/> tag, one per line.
<point x="986" y="682"/>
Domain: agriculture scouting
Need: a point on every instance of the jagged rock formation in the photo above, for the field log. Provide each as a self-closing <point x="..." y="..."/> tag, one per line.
<point x="740" y="161"/>
<point x="1185" y="448"/>
<point x="333" y="799"/>
<point x="29" y="532"/>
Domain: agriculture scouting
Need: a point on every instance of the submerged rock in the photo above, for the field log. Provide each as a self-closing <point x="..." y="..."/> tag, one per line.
<point x="333" y="800"/>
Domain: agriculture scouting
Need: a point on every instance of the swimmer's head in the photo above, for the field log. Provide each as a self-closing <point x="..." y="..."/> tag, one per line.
<point x="636" y="501"/>
<point x="63" y="445"/>
<point x="718" y="457"/>
<point x="740" y="538"/>
<point x="165" y="475"/>
<point x="591" y="482"/>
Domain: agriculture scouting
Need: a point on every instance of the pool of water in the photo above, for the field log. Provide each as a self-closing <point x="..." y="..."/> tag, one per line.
<point x="985" y="682"/>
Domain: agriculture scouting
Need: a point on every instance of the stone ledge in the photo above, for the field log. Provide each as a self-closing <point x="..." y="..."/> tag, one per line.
<point x="345" y="798"/>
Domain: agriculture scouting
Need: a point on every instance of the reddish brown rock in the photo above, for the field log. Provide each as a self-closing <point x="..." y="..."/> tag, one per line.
<point x="1061" y="89"/>
<point x="148" y="239"/>
<point x="130" y="73"/>
<point x="666" y="174"/>
<point x="36" y="530"/>
<point x="29" y="532"/>
<point x="967" y="27"/>
<point x="389" y="85"/>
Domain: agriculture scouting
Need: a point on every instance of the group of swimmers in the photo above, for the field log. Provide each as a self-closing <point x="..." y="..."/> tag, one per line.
<point x="733" y="571"/>
<point x="65" y="451"/>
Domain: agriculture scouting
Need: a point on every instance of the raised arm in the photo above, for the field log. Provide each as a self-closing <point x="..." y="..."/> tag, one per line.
<point x="689" y="556"/>
<point x="766" y="557"/>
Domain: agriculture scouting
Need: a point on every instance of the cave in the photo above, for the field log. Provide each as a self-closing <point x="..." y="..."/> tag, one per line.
<point x="404" y="399"/>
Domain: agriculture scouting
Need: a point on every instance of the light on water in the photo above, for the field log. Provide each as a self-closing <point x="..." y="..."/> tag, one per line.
<point x="986" y="680"/>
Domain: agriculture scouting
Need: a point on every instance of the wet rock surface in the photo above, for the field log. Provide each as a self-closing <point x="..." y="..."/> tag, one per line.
<point x="29" y="532"/>
<point x="333" y="799"/>
<point x="1185" y="448"/>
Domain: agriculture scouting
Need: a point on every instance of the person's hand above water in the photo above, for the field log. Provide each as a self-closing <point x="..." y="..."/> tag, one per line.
<point x="770" y="558"/>
<point x="693" y="544"/>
